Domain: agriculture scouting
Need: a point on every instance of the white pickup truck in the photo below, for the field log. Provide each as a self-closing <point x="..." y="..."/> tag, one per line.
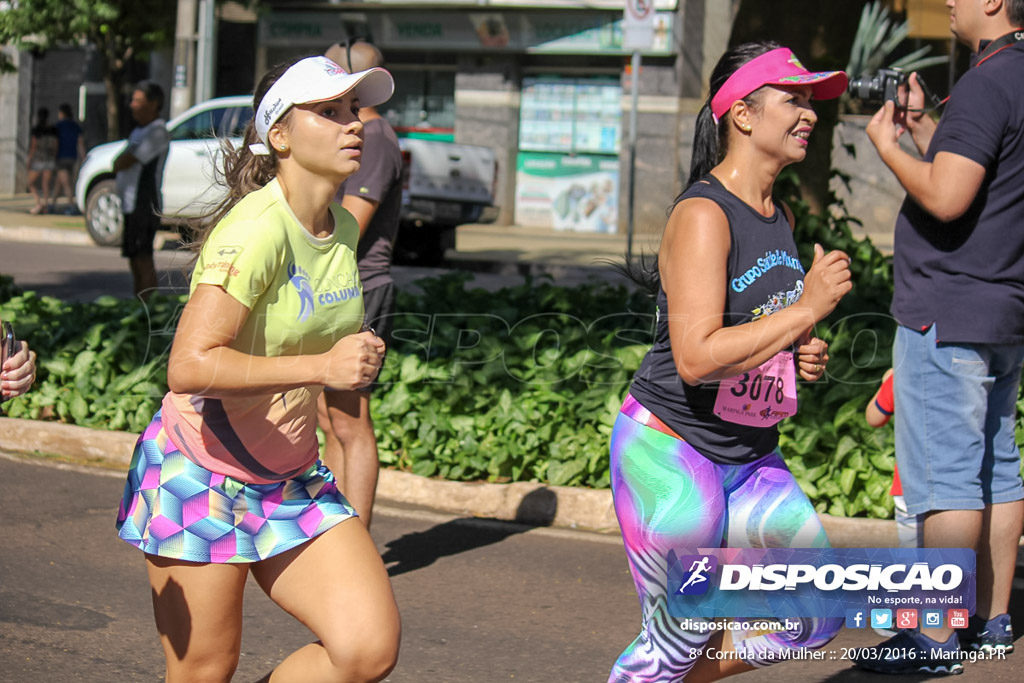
<point x="445" y="184"/>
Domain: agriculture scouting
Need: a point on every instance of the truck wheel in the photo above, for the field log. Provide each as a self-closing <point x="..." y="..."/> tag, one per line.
<point x="103" y="218"/>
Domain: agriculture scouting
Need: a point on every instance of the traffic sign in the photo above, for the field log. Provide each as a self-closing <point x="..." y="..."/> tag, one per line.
<point x="638" y="25"/>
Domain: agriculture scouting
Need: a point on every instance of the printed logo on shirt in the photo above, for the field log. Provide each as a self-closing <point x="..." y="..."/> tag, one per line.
<point x="337" y="289"/>
<point x="779" y="300"/>
<point x="324" y="292"/>
<point x="771" y="259"/>
<point x="300" y="280"/>
<point x="230" y="251"/>
<point x="364" y="190"/>
<point x="222" y="267"/>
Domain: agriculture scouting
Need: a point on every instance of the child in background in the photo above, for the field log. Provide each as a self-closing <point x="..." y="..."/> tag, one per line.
<point x="908" y="531"/>
<point x="878" y="413"/>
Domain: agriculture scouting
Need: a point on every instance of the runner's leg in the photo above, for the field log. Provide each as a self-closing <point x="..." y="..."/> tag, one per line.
<point x="337" y="586"/>
<point x="198" y="610"/>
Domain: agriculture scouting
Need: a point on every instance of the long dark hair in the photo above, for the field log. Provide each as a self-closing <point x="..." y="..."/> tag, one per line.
<point x="243" y="172"/>
<point x="710" y="144"/>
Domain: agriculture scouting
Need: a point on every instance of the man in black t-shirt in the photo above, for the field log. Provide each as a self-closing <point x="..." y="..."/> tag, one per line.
<point x="374" y="196"/>
<point x="959" y="302"/>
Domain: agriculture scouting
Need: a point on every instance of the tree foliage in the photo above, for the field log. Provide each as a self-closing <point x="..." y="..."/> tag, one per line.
<point x="119" y="29"/>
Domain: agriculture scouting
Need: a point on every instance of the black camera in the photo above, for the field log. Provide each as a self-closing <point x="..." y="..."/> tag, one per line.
<point x="887" y="85"/>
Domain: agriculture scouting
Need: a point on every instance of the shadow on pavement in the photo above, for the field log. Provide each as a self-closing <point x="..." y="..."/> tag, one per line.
<point x="421" y="549"/>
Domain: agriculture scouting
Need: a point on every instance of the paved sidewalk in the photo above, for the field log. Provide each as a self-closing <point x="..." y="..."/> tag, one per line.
<point x="509" y="246"/>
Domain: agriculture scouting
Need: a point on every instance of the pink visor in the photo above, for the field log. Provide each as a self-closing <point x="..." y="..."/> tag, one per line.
<point x="777" y="67"/>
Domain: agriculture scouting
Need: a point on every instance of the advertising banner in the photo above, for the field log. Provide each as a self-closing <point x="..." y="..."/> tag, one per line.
<point x="563" y="192"/>
<point x="827" y="582"/>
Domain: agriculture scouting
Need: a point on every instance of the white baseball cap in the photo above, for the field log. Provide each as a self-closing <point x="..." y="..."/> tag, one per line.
<point x="317" y="79"/>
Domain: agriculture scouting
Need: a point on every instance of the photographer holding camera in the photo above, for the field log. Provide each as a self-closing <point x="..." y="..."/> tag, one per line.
<point x="959" y="302"/>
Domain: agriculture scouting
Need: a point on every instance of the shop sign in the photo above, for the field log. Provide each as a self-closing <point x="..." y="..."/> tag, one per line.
<point x="300" y="28"/>
<point x="567" y="192"/>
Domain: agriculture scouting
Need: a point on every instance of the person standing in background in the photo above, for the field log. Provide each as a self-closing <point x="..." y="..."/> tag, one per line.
<point x="140" y="169"/>
<point x="373" y="194"/>
<point x="70" y="153"/>
<point x="42" y="159"/>
<point x="958" y="265"/>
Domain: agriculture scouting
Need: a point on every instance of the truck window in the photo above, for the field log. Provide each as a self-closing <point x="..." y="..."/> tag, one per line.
<point x="240" y="117"/>
<point x="205" y="124"/>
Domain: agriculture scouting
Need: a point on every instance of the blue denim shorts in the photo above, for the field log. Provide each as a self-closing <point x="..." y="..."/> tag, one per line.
<point x="956" y="407"/>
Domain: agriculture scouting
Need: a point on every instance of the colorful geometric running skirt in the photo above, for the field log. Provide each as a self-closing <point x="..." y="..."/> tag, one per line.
<point x="174" y="508"/>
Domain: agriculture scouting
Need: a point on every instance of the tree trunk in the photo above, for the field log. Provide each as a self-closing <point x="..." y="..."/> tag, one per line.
<point x="821" y="34"/>
<point x="113" y="81"/>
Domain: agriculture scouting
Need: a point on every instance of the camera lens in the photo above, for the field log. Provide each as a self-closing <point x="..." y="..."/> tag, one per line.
<point x="866" y="88"/>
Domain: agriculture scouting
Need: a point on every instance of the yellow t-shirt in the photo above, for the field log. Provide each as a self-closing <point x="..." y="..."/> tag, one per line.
<point x="303" y="294"/>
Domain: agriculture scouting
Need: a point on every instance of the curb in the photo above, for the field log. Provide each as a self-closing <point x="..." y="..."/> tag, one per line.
<point x="44" y="235"/>
<point x="524" y="502"/>
<point x="26" y="233"/>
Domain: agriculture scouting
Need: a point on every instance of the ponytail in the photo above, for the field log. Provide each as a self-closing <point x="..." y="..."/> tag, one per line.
<point x="708" y="147"/>
<point x="243" y="172"/>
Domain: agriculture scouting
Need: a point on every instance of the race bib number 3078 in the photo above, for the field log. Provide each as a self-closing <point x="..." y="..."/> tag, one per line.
<point x="760" y="397"/>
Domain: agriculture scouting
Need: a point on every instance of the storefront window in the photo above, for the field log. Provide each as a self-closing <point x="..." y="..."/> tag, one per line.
<point x="567" y="169"/>
<point x="581" y="115"/>
<point x="423" y="104"/>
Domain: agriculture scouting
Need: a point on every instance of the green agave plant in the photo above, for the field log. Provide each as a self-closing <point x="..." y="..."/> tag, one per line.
<point x="877" y="36"/>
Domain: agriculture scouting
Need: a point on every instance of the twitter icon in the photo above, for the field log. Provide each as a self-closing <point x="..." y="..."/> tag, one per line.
<point x="881" y="618"/>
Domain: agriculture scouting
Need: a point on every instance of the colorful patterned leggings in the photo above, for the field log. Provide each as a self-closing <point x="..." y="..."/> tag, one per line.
<point x="670" y="497"/>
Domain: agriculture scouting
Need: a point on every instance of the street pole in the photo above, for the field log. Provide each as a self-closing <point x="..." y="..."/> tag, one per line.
<point x="184" y="57"/>
<point x="630" y="199"/>
<point x="206" y="51"/>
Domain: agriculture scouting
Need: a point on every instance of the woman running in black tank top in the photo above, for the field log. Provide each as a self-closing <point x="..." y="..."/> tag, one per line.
<point x="693" y="455"/>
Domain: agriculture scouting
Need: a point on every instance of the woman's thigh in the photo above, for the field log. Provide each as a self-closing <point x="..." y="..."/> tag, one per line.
<point x="198" y="610"/>
<point x="768" y="509"/>
<point x="336" y="585"/>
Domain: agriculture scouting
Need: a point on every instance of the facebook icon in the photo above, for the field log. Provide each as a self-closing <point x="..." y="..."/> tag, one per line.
<point x="856" y="618"/>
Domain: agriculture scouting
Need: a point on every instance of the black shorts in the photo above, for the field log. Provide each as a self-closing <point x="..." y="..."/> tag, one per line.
<point x="140" y="228"/>
<point x="379" y="306"/>
<point x="379" y="313"/>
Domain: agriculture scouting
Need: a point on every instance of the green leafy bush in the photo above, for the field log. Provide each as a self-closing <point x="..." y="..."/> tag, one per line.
<point x="101" y="364"/>
<point x="520" y="384"/>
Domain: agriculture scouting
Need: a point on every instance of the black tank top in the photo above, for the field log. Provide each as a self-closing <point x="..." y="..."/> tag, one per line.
<point x="764" y="276"/>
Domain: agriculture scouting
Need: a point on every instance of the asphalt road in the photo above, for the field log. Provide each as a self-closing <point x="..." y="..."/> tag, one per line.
<point x="481" y="601"/>
<point x="82" y="273"/>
